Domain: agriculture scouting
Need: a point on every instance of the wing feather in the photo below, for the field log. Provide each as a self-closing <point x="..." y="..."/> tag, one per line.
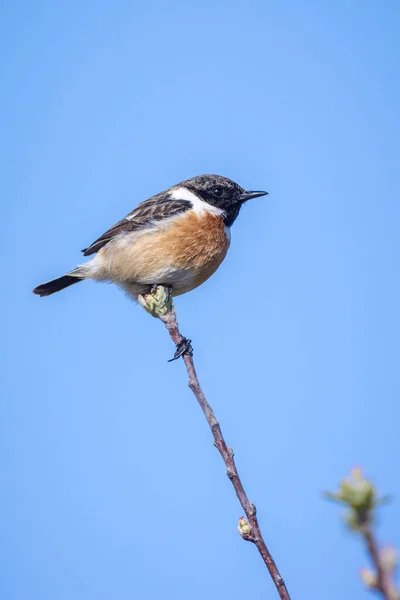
<point x="145" y="214"/>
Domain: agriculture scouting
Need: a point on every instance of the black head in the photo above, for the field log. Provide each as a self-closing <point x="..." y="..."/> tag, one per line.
<point x="222" y="193"/>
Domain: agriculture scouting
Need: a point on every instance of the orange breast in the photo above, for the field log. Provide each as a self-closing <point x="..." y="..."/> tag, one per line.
<point x="198" y="244"/>
<point x="182" y="252"/>
<point x="194" y="241"/>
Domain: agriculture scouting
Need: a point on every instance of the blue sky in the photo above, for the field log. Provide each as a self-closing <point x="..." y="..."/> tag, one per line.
<point x="111" y="485"/>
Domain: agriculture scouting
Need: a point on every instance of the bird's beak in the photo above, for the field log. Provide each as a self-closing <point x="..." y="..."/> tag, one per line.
<point x="250" y="195"/>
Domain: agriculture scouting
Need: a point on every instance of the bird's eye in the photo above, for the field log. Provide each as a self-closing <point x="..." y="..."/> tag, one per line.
<point x="218" y="192"/>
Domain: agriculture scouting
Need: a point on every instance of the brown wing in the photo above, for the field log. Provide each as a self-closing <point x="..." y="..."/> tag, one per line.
<point x="150" y="211"/>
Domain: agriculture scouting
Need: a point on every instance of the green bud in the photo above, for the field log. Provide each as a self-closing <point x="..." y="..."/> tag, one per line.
<point x="244" y="528"/>
<point x="359" y="495"/>
<point x="156" y="303"/>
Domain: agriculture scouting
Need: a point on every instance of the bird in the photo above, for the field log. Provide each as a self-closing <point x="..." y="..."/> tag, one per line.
<point x="176" y="239"/>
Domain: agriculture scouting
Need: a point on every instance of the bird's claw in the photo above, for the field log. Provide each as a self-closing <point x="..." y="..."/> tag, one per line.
<point x="184" y="347"/>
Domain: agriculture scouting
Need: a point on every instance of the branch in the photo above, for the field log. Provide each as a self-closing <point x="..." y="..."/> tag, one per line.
<point x="251" y="531"/>
<point x="360" y="497"/>
<point x="382" y="581"/>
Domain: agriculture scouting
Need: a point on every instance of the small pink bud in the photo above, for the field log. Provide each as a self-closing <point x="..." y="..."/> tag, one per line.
<point x="368" y="578"/>
<point x="389" y="558"/>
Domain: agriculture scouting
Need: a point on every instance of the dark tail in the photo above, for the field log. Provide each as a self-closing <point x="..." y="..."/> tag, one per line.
<point x="55" y="285"/>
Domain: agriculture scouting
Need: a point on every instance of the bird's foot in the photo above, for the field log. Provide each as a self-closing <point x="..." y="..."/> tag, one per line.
<point x="157" y="301"/>
<point x="184" y="347"/>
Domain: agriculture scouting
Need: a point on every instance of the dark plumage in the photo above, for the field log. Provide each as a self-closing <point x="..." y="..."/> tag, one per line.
<point x="154" y="209"/>
<point x="56" y="285"/>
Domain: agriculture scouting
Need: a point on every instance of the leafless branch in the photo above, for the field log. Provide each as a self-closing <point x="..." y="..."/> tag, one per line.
<point x="383" y="582"/>
<point x="253" y="532"/>
<point x="360" y="497"/>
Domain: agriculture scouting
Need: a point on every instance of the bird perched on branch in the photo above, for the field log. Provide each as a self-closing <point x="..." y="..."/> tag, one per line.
<point x="176" y="239"/>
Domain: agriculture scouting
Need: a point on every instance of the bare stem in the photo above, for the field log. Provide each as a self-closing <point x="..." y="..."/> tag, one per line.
<point x="383" y="584"/>
<point x="169" y="318"/>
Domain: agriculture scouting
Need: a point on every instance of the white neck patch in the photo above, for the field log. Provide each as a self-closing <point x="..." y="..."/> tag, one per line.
<point x="199" y="205"/>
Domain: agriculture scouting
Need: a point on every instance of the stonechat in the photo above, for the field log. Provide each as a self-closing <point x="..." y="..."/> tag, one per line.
<point x="176" y="239"/>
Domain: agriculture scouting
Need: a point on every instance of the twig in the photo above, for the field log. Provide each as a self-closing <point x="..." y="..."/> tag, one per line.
<point x="360" y="497"/>
<point x="169" y="318"/>
<point x="383" y="583"/>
